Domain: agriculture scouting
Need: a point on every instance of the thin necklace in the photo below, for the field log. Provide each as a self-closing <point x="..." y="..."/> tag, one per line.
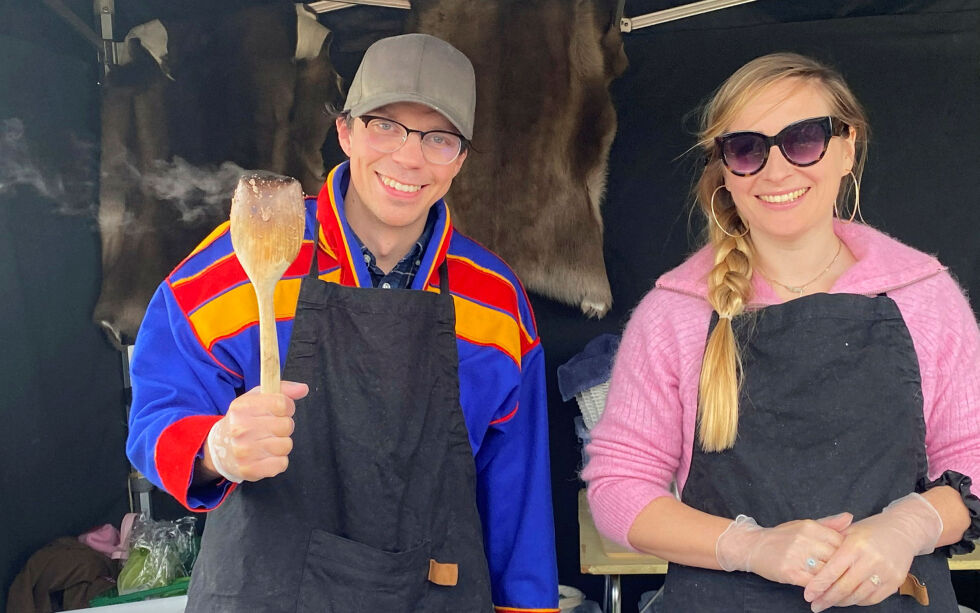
<point x="799" y="289"/>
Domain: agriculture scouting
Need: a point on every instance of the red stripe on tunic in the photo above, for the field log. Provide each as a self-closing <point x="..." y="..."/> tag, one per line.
<point x="505" y="417"/>
<point x="226" y="273"/>
<point x="176" y="452"/>
<point x="481" y="285"/>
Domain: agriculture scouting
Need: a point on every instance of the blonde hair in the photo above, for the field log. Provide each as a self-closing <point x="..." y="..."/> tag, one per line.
<point x="730" y="281"/>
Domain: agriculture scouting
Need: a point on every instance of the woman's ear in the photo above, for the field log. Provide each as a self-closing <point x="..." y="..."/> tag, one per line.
<point x="850" y="148"/>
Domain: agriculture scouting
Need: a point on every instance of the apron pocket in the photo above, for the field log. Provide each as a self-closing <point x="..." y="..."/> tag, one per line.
<point x="343" y="576"/>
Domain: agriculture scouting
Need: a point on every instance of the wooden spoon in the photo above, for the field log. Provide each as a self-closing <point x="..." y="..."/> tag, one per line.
<point x="267" y="221"/>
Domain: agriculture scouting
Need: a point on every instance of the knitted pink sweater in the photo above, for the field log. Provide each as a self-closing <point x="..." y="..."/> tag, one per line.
<point x="646" y="435"/>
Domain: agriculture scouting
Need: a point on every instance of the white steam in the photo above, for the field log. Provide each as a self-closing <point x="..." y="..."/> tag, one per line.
<point x="195" y="192"/>
<point x="19" y="164"/>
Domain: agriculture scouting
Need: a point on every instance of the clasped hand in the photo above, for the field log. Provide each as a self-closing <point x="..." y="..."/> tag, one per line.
<point x="875" y="557"/>
<point x="837" y="562"/>
<point x="254" y="438"/>
<point x="788" y="553"/>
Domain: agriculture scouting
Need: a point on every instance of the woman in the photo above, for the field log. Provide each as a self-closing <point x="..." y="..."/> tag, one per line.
<point x="823" y="437"/>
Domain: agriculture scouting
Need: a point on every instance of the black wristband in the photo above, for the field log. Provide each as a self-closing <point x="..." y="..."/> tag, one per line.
<point x="961" y="483"/>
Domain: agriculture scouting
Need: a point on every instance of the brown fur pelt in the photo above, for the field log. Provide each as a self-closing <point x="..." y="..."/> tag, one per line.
<point x="177" y="132"/>
<point x="532" y="186"/>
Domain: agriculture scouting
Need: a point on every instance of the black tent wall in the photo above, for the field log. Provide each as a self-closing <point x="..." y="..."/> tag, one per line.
<point x="62" y="468"/>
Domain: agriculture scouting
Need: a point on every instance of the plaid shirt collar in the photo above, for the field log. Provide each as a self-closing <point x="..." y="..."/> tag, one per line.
<point x="402" y="275"/>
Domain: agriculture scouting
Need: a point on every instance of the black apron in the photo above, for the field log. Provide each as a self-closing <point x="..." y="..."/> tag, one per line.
<point x="381" y="479"/>
<point x="830" y="420"/>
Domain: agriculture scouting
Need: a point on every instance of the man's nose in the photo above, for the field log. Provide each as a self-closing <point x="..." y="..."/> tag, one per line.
<point x="410" y="153"/>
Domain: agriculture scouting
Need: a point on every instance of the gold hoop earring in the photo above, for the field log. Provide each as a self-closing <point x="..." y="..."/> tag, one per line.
<point x="715" y="217"/>
<point x="856" y="211"/>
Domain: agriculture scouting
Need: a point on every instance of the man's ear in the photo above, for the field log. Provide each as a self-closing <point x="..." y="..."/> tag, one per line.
<point x="343" y="135"/>
<point x="458" y="162"/>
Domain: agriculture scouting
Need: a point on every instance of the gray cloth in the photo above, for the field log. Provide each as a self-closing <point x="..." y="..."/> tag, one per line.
<point x="589" y="367"/>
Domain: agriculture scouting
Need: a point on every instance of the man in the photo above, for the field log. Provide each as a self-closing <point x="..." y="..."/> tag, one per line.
<point x="365" y="487"/>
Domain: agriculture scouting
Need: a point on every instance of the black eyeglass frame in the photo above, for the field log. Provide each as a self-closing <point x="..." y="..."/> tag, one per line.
<point x="463" y="143"/>
<point x="832" y="127"/>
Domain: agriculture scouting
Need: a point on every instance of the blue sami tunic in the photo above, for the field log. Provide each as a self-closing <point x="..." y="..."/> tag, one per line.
<point x="198" y="349"/>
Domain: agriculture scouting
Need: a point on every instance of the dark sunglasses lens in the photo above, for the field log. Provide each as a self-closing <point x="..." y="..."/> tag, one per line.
<point x="744" y="153"/>
<point x="806" y="143"/>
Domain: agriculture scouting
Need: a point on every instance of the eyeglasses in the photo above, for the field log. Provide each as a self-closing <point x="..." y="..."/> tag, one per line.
<point x="802" y="143"/>
<point x="387" y="136"/>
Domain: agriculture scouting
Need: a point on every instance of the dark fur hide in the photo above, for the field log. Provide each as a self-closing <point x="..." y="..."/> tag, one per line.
<point x="237" y="95"/>
<point x="531" y="189"/>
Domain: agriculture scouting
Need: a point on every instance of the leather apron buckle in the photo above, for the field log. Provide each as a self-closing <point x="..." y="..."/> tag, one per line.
<point x="914" y="588"/>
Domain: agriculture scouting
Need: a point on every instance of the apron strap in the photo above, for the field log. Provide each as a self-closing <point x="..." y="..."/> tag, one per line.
<point x="444" y="277"/>
<point x="314" y="270"/>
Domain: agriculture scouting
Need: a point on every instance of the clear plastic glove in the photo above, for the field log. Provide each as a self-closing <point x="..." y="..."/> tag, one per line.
<point x="876" y="555"/>
<point x="253" y="440"/>
<point x="788" y="553"/>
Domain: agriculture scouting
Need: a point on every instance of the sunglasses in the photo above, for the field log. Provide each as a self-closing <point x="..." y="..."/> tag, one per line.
<point x="802" y="143"/>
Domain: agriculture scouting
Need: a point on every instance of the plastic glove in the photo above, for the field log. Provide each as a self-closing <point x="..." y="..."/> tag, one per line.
<point x="876" y="555"/>
<point x="253" y="440"/>
<point x="780" y="553"/>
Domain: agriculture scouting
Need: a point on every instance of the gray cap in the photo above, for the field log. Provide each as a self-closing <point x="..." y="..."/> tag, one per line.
<point x="416" y="68"/>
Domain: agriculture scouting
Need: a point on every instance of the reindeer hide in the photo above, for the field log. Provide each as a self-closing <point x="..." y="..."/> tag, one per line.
<point x="531" y="188"/>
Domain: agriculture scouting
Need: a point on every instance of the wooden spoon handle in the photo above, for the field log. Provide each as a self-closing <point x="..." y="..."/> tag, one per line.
<point x="268" y="339"/>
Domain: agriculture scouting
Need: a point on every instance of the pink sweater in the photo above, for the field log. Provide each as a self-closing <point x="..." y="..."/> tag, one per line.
<point x="646" y="435"/>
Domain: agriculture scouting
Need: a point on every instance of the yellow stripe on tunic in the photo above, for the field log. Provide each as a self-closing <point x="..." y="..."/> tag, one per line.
<point x="485" y="326"/>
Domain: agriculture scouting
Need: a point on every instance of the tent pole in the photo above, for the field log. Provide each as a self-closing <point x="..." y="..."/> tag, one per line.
<point x="628" y="24"/>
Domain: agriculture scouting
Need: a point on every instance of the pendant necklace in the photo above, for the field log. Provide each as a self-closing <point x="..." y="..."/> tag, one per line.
<point x="799" y="289"/>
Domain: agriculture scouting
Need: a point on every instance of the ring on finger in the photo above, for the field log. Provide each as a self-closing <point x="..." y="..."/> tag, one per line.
<point x="875" y="580"/>
<point x="811" y="562"/>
